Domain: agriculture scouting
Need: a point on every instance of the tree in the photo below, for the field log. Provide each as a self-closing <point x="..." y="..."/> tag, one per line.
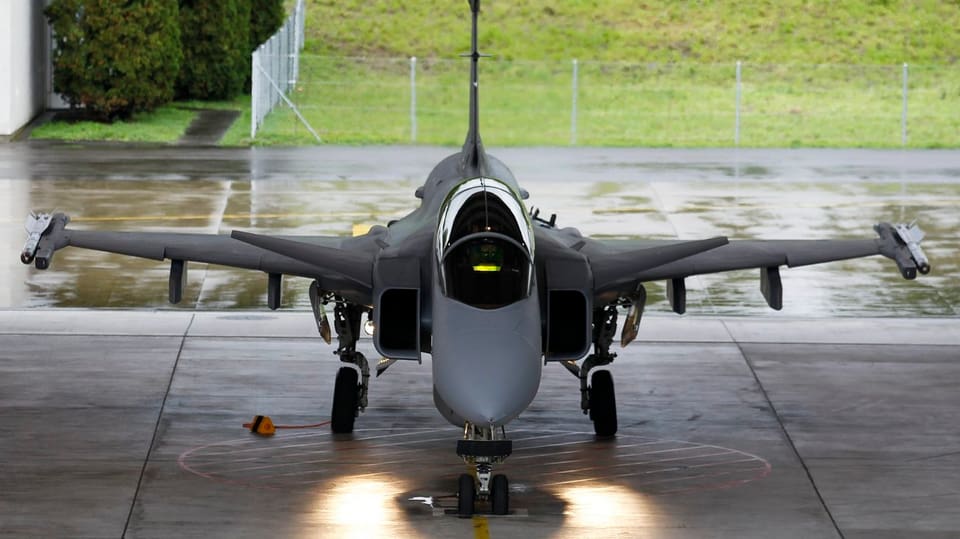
<point x="266" y="17"/>
<point x="215" y="35"/>
<point x="115" y="58"/>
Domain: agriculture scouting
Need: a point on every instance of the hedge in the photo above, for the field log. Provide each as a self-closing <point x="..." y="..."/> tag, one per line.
<point x="115" y="58"/>
<point x="215" y="36"/>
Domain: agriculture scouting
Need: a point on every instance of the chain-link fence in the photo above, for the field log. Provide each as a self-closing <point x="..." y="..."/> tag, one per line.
<point x="276" y="69"/>
<point x="403" y="100"/>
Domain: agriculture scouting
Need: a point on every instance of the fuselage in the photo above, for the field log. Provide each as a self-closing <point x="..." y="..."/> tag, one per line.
<point x="481" y="304"/>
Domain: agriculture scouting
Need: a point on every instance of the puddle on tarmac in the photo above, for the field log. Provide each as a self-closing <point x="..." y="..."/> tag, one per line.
<point x="606" y="209"/>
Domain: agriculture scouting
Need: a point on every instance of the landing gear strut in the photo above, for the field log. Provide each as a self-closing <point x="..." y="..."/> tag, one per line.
<point x="598" y="397"/>
<point x="483" y="447"/>
<point x="349" y="397"/>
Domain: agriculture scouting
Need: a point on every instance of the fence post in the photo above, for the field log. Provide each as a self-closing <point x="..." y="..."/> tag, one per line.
<point x="291" y="43"/>
<point x="254" y="93"/>
<point x="298" y="40"/>
<point x="736" y="124"/>
<point x="573" y="110"/>
<point x="903" y="113"/>
<point x="413" y="99"/>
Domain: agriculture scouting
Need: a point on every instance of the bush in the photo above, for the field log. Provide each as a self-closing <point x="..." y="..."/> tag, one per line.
<point x="266" y="17"/>
<point x="215" y="35"/>
<point x="115" y="58"/>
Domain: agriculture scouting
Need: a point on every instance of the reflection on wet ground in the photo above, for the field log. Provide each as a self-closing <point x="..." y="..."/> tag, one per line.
<point x="550" y="460"/>
<point x="606" y="202"/>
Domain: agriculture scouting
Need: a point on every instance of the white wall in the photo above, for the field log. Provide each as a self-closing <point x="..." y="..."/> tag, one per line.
<point x="14" y="205"/>
<point x="24" y="45"/>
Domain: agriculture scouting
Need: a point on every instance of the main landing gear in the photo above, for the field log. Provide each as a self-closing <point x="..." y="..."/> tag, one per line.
<point x="349" y="396"/>
<point x="596" y="394"/>
<point x="483" y="447"/>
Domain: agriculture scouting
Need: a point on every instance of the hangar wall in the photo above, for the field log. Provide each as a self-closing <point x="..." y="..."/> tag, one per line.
<point x="24" y="58"/>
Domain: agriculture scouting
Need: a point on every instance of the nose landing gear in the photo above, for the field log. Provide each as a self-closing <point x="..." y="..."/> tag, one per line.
<point x="483" y="447"/>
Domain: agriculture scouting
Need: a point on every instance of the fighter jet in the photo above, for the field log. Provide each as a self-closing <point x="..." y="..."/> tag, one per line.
<point x="490" y="290"/>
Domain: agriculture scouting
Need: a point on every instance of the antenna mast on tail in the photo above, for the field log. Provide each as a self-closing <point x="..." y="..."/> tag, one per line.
<point x="473" y="147"/>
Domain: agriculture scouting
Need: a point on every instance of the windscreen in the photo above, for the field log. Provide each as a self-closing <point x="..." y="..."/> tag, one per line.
<point x="484" y="245"/>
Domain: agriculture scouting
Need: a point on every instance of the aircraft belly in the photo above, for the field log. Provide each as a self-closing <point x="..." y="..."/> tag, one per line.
<point x="486" y="363"/>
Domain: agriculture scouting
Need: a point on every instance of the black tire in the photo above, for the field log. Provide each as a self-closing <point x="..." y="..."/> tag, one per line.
<point x="603" y="404"/>
<point x="345" y="395"/>
<point x="466" y="495"/>
<point x="500" y="495"/>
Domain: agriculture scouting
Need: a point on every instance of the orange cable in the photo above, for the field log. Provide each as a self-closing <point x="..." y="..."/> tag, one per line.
<point x="315" y="425"/>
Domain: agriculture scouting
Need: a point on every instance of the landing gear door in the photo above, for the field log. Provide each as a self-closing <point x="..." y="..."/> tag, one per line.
<point x="569" y="307"/>
<point x="396" y="308"/>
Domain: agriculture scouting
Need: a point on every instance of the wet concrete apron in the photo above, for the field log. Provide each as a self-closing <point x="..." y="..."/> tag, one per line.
<point x="607" y="193"/>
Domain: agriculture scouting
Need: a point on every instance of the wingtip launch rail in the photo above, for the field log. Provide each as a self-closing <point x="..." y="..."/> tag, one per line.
<point x="901" y="243"/>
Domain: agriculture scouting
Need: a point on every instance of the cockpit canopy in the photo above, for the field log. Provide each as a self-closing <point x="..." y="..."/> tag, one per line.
<point x="485" y="245"/>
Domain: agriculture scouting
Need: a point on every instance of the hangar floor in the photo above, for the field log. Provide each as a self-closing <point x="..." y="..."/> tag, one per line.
<point x="128" y="423"/>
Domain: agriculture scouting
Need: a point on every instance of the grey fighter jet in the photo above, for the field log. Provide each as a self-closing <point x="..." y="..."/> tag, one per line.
<point x="492" y="291"/>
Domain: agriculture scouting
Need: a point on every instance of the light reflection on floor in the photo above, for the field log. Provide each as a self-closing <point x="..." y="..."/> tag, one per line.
<point x="361" y="507"/>
<point x="595" y="505"/>
<point x="378" y="481"/>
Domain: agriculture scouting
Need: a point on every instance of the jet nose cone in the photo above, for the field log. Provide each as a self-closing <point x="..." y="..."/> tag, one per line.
<point x="487" y="375"/>
<point x="486" y="362"/>
<point x="490" y="378"/>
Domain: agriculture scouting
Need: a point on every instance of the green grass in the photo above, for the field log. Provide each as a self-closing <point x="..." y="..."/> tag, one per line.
<point x="164" y="125"/>
<point x="656" y="73"/>
<point x="653" y="73"/>
<point x="705" y="31"/>
<point x="363" y="101"/>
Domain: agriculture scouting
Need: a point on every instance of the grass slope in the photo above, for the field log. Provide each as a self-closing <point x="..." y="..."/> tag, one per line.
<point x="757" y="31"/>
<point x="651" y="73"/>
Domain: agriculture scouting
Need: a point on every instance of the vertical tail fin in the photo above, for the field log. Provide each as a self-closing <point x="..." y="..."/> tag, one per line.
<point x="473" y="155"/>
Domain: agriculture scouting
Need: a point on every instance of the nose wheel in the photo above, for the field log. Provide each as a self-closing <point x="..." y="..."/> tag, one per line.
<point x="483" y="447"/>
<point x="466" y="495"/>
<point x="497" y="494"/>
<point x="500" y="495"/>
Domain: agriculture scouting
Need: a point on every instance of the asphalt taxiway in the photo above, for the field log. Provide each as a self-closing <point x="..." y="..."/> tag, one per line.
<point x="836" y="417"/>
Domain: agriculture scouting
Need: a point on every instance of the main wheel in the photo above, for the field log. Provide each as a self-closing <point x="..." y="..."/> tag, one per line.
<point x="466" y="493"/>
<point x="500" y="495"/>
<point x="603" y="404"/>
<point x="345" y="395"/>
